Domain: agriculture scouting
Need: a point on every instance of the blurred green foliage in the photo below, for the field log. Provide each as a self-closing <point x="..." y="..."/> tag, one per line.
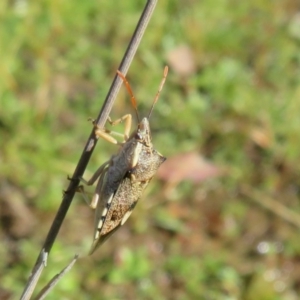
<point x="238" y="107"/>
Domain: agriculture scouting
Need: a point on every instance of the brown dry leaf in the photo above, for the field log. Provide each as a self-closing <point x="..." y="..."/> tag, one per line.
<point x="181" y="60"/>
<point x="187" y="166"/>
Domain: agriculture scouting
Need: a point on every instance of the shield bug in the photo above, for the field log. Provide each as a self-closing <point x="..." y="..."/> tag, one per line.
<point x="123" y="178"/>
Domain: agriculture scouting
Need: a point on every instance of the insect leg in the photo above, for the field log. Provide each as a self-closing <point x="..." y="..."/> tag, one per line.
<point x="97" y="174"/>
<point x="81" y="190"/>
<point x="96" y="196"/>
<point x="106" y="134"/>
<point x="128" y="120"/>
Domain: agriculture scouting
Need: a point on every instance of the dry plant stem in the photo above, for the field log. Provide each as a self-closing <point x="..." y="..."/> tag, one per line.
<point x="49" y="287"/>
<point x="272" y="205"/>
<point x="88" y="150"/>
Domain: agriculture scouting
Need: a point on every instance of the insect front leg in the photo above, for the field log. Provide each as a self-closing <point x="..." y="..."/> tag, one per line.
<point x="107" y="134"/>
<point x="128" y="121"/>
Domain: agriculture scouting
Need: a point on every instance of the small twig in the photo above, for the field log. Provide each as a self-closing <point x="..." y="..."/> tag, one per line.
<point x="53" y="282"/>
<point x="88" y="149"/>
<point x="36" y="273"/>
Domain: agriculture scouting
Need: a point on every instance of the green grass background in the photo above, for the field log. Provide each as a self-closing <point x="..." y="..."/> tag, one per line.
<point x="239" y="108"/>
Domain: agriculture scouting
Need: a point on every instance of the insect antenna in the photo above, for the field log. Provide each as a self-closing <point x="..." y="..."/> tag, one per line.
<point x="166" y="69"/>
<point x="132" y="98"/>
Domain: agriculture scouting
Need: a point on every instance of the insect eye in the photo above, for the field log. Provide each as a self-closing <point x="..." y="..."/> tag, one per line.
<point x="138" y="136"/>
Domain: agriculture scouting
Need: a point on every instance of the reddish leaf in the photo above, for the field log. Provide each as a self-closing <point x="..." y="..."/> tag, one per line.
<point x="181" y="60"/>
<point x="187" y="166"/>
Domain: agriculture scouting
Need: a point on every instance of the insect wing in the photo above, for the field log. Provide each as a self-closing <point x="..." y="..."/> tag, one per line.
<point x="114" y="212"/>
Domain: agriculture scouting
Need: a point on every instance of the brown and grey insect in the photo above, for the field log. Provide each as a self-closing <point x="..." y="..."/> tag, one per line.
<point x="122" y="179"/>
